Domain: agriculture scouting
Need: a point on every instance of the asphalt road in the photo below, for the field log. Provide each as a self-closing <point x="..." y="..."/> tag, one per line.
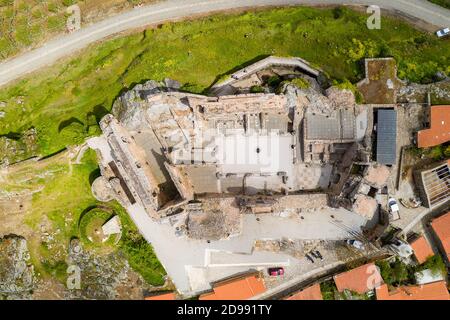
<point x="178" y="9"/>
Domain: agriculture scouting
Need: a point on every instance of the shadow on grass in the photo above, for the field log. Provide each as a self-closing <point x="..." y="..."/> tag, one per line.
<point x="105" y="208"/>
<point x="186" y="87"/>
<point x="64" y="124"/>
<point x="98" y="112"/>
<point x="12" y="135"/>
<point x="235" y="69"/>
<point x="53" y="154"/>
<point x="94" y="175"/>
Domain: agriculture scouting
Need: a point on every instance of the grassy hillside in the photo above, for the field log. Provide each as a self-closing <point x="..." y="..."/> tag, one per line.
<point x="26" y="23"/>
<point x="60" y="193"/>
<point x="64" y="102"/>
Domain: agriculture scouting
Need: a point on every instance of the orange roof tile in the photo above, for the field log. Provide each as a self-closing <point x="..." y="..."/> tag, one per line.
<point x="236" y="289"/>
<point x="166" y="296"/>
<point x="422" y="249"/>
<point x="310" y="293"/>
<point x="439" y="131"/>
<point x="441" y="227"/>
<point x="430" y="291"/>
<point x="360" y="280"/>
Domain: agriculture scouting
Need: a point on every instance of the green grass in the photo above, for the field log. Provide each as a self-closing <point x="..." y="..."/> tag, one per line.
<point x="138" y="251"/>
<point x="346" y="84"/>
<point x="301" y="83"/>
<point x="442" y="3"/>
<point x="27" y="23"/>
<point x="57" y="269"/>
<point x="65" y="194"/>
<point x="58" y="101"/>
<point x="90" y="221"/>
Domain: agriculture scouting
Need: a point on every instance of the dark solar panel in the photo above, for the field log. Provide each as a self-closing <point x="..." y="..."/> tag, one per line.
<point x="386" y="136"/>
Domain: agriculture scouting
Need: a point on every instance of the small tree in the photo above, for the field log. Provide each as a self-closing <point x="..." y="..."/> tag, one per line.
<point x="435" y="264"/>
<point x="256" y="89"/>
<point x="386" y="271"/>
<point x="400" y="271"/>
<point x="274" y="81"/>
<point x="338" y="12"/>
<point x="447" y="151"/>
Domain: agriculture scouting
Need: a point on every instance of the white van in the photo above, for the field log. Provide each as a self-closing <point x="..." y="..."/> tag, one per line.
<point x="443" y="32"/>
<point x="394" y="210"/>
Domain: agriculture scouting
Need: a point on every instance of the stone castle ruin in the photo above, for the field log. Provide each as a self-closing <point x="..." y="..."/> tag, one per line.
<point x="167" y="150"/>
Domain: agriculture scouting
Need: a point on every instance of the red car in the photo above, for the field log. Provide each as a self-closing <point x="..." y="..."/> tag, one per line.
<point x="274" y="272"/>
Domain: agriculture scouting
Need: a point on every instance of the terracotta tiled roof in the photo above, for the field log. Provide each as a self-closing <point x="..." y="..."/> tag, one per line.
<point x="236" y="289"/>
<point x="439" y="131"/>
<point x="430" y="291"/>
<point x="166" y="296"/>
<point x="422" y="249"/>
<point x="310" y="293"/>
<point x="441" y="227"/>
<point x="360" y="280"/>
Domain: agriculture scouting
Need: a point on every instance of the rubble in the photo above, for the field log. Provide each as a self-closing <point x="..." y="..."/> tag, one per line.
<point x="365" y="206"/>
<point x="377" y="175"/>
<point x="17" y="278"/>
<point x="213" y="219"/>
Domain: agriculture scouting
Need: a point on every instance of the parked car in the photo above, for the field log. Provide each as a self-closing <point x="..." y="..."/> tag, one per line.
<point x="443" y="32"/>
<point x="394" y="210"/>
<point x="401" y="248"/>
<point x="318" y="254"/>
<point x="355" y="243"/>
<point x="277" y="271"/>
<point x="309" y="258"/>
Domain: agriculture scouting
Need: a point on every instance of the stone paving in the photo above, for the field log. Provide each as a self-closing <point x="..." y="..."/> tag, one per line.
<point x="187" y="260"/>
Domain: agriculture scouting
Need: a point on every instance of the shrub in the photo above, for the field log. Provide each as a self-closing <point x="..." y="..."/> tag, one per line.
<point x="57" y="269"/>
<point x="338" y="12"/>
<point x="256" y="89"/>
<point x="437" y="152"/>
<point x="386" y="271"/>
<point x="400" y="271"/>
<point x="394" y="273"/>
<point x="447" y="151"/>
<point x="274" y="81"/>
<point x="361" y="49"/>
<point x="435" y="264"/>
<point x="328" y="290"/>
<point x="301" y="83"/>
<point x="346" y="84"/>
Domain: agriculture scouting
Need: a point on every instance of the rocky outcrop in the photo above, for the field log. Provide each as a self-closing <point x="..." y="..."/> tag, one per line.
<point x="101" y="275"/>
<point x="17" y="279"/>
<point x="18" y="147"/>
<point x="129" y="106"/>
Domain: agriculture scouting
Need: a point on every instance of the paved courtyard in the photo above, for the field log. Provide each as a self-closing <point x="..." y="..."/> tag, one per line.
<point x="194" y="264"/>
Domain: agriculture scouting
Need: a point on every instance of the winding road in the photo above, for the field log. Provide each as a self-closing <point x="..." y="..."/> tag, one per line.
<point x="178" y="9"/>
